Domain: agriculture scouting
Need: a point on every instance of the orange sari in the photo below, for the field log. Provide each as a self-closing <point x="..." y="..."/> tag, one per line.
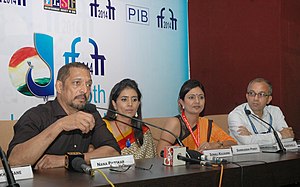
<point x="217" y="134"/>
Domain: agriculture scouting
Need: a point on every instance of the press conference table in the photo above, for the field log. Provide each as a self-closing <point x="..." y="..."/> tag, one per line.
<point x="258" y="169"/>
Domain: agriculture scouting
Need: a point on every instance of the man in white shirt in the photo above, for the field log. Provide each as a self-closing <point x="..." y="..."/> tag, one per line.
<point x="246" y="129"/>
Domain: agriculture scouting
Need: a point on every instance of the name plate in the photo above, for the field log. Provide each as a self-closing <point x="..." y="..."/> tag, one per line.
<point x="290" y="145"/>
<point x="218" y="152"/>
<point x="245" y="149"/>
<point x="117" y="161"/>
<point x="287" y="145"/>
<point x="22" y="172"/>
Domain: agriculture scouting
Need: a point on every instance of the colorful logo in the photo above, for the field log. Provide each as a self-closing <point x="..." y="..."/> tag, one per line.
<point x="67" y="6"/>
<point x="31" y="69"/>
<point x="164" y="23"/>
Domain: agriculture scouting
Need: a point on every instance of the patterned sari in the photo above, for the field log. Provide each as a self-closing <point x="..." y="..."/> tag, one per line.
<point x="147" y="150"/>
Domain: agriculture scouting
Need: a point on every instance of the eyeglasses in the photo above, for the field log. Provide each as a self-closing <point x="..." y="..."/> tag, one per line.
<point x="121" y="169"/>
<point x="124" y="168"/>
<point x="259" y="95"/>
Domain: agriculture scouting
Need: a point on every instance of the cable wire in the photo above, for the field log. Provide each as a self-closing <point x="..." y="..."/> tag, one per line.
<point x="221" y="175"/>
<point x="103" y="174"/>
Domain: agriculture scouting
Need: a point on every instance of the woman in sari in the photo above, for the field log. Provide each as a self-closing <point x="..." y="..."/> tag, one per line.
<point x="195" y="132"/>
<point x="132" y="136"/>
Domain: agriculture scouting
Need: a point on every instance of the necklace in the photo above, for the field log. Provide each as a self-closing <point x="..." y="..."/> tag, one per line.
<point x="196" y="140"/>
<point x="128" y="144"/>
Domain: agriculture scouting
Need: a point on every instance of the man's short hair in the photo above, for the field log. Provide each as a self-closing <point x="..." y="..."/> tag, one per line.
<point x="261" y="80"/>
<point x="64" y="71"/>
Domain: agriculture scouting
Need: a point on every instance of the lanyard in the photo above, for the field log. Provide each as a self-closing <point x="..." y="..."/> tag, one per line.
<point x="197" y="141"/>
<point x="253" y="126"/>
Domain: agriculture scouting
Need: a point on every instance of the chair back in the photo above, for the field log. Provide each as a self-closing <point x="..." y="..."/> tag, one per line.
<point x="221" y="120"/>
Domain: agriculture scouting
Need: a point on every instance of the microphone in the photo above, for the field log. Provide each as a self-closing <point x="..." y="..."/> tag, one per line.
<point x="9" y="175"/>
<point x="80" y="165"/>
<point x="74" y="161"/>
<point x="93" y="108"/>
<point x="196" y="157"/>
<point x="281" y="147"/>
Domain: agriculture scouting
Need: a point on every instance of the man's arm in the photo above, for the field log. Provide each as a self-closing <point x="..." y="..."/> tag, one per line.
<point x="103" y="151"/>
<point x="33" y="149"/>
<point x="53" y="161"/>
<point x="241" y="130"/>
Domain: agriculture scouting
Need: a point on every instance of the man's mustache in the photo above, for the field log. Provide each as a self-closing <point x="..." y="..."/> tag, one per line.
<point x="79" y="96"/>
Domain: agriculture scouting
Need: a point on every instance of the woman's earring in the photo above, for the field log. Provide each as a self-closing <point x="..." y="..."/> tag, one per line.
<point x="116" y="115"/>
<point x="182" y="107"/>
<point x="136" y="115"/>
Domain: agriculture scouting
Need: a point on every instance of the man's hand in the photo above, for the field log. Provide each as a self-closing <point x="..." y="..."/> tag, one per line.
<point x="243" y="131"/>
<point x="287" y="133"/>
<point x="50" y="161"/>
<point x="79" y="120"/>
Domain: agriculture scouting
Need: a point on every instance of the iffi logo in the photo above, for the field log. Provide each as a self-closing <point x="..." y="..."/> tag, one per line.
<point x="31" y="68"/>
<point x="107" y="12"/>
<point x="97" y="60"/>
<point x="166" y="24"/>
<point x="18" y="2"/>
<point x="68" y="6"/>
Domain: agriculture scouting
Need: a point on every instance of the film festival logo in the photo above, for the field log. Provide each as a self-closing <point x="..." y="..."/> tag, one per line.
<point x="103" y="12"/>
<point x="163" y="22"/>
<point x="66" y="6"/>
<point x="97" y="62"/>
<point x="31" y="68"/>
<point x="15" y="2"/>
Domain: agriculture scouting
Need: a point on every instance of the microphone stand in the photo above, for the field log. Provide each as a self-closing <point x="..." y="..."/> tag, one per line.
<point x="138" y="120"/>
<point x="9" y="175"/>
<point x="92" y="107"/>
<point x="281" y="147"/>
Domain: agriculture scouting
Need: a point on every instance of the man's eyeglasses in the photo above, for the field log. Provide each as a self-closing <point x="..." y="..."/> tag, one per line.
<point x="259" y="95"/>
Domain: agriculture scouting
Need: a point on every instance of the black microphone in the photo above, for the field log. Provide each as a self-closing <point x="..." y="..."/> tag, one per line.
<point x="196" y="157"/>
<point x="281" y="147"/>
<point x="74" y="161"/>
<point x="194" y="161"/>
<point x="9" y="175"/>
<point x="80" y="165"/>
<point x="92" y="107"/>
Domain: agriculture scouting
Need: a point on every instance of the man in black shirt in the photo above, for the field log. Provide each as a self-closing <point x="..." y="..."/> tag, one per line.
<point x="45" y="133"/>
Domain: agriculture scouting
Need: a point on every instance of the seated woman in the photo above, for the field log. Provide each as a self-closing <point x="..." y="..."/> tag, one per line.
<point x="132" y="136"/>
<point x="195" y="132"/>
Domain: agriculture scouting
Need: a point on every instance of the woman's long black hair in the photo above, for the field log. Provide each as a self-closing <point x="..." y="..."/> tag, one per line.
<point x="114" y="94"/>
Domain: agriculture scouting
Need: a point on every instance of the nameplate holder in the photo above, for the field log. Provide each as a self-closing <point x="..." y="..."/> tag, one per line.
<point x="245" y="149"/>
<point x="116" y="161"/>
<point x="21" y="172"/>
<point x="289" y="145"/>
<point x="218" y="152"/>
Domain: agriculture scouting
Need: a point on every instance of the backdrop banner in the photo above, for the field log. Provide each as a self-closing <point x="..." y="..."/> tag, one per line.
<point x="143" y="40"/>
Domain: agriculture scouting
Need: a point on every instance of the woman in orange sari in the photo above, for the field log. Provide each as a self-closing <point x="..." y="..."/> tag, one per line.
<point x="195" y="132"/>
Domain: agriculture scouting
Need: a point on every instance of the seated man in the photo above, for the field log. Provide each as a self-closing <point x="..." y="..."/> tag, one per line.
<point x="248" y="130"/>
<point x="44" y="134"/>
